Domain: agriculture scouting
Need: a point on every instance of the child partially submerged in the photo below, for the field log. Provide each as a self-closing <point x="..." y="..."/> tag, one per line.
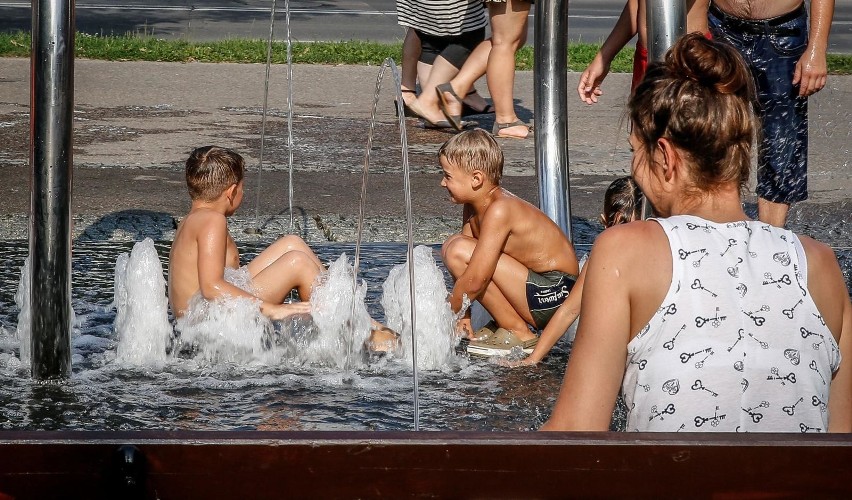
<point x="204" y="258"/>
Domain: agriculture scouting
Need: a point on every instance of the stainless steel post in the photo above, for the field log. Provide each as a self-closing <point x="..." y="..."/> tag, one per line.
<point x="551" y="109"/>
<point x="51" y="115"/>
<point x="666" y="20"/>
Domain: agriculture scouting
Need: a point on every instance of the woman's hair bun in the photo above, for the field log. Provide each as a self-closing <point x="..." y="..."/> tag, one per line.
<point x="710" y="64"/>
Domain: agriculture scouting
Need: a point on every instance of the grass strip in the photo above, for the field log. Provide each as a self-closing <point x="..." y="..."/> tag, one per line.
<point x="140" y="48"/>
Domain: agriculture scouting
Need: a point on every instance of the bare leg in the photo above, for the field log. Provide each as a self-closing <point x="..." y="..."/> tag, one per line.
<point x="508" y="30"/>
<point x="472" y="70"/>
<point x="410" y="55"/>
<point x="772" y="213"/>
<point x="427" y="102"/>
<point x="286" y="264"/>
<point x="505" y="296"/>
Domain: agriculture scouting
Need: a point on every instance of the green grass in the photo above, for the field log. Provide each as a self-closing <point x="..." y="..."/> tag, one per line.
<point x="141" y="48"/>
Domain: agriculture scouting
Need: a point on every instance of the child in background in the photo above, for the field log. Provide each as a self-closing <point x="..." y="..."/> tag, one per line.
<point x="629" y="24"/>
<point x="622" y="204"/>
<point x="509" y="255"/>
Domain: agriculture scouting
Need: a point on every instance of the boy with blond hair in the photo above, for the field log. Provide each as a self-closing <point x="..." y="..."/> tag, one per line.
<point x="509" y="255"/>
<point x="203" y="252"/>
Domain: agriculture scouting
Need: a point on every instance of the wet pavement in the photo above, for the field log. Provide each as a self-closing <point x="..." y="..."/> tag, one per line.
<point x="135" y="123"/>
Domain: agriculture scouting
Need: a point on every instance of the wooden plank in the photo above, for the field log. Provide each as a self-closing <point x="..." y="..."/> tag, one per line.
<point x="434" y="464"/>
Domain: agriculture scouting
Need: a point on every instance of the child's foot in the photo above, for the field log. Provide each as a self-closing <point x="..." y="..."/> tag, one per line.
<point x="383" y="340"/>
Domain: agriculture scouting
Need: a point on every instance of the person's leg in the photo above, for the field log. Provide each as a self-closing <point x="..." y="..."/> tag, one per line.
<point x="472" y="70"/>
<point x="505" y="296"/>
<point x="427" y="102"/>
<point x="410" y="55"/>
<point x="508" y="30"/>
<point x="782" y="167"/>
<point x="286" y="264"/>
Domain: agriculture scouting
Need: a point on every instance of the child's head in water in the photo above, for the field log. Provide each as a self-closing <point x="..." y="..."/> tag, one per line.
<point x="622" y="202"/>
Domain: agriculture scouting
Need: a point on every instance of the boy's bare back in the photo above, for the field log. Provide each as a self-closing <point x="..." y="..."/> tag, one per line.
<point x="201" y="233"/>
<point x="514" y="227"/>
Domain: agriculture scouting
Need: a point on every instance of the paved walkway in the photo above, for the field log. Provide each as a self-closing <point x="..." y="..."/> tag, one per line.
<point x="135" y="123"/>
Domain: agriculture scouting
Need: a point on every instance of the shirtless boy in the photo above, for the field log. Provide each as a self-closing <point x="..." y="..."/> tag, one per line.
<point x="203" y="248"/>
<point x="509" y="255"/>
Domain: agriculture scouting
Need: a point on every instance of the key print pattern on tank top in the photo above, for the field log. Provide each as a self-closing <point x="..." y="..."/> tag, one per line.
<point x="738" y="344"/>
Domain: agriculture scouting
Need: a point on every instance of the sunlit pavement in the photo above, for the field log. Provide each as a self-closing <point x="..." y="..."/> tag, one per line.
<point x="135" y="123"/>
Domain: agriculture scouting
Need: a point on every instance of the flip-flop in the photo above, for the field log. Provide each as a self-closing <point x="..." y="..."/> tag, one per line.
<point x="455" y="120"/>
<point x="468" y="110"/>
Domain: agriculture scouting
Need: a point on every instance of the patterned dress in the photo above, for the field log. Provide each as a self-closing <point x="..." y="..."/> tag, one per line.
<point x="738" y="344"/>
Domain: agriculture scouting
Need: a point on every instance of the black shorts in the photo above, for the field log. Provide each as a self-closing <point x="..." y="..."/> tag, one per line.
<point x="546" y="292"/>
<point x="455" y="49"/>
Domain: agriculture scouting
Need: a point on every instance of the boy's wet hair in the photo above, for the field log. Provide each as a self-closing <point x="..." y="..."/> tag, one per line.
<point x="622" y="202"/>
<point x="210" y="170"/>
<point x="701" y="98"/>
<point x="474" y="150"/>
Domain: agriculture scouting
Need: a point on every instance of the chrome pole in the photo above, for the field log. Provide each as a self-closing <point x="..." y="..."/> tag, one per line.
<point x="551" y="106"/>
<point x="51" y="121"/>
<point x="666" y="20"/>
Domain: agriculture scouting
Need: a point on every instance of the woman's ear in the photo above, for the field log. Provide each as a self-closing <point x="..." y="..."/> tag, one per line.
<point x="671" y="160"/>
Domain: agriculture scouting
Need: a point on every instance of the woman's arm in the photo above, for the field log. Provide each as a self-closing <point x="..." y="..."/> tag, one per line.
<point x="596" y="365"/>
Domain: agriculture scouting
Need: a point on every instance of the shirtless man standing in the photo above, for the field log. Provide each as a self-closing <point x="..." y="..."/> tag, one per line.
<point x="788" y="64"/>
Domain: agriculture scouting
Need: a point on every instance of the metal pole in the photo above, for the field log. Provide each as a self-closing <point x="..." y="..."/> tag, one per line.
<point x="551" y="105"/>
<point x="666" y="20"/>
<point x="51" y="115"/>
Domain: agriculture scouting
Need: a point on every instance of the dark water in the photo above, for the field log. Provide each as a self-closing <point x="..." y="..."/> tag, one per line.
<point x="464" y="395"/>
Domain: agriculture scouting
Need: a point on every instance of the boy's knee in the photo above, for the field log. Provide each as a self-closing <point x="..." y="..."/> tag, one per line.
<point x="455" y="249"/>
<point x="291" y="242"/>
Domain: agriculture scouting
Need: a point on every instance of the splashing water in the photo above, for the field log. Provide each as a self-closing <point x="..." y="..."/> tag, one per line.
<point x="22" y="300"/>
<point x="340" y="315"/>
<point x="141" y="320"/>
<point x="435" y="320"/>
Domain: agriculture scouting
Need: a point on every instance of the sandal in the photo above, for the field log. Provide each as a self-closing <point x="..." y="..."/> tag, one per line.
<point x="468" y="110"/>
<point x="501" y="343"/>
<point x="406" y="110"/>
<point x="455" y="120"/>
<point x="517" y="123"/>
<point x="418" y="113"/>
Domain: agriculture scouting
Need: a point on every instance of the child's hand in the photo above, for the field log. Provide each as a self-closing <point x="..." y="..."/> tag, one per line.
<point x="589" y="87"/>
<point x="463" y="328"/>
<point x="281" y="311"/>
<point x="528" y="361"/>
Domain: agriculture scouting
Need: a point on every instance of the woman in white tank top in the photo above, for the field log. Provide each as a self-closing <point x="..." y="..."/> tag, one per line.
<point x="704" y="319"/>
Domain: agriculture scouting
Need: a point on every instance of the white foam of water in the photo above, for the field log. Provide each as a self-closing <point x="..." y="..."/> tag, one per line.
<point x="435" y="320"/>
<point x="227" y="330"/>
<point x="141" y="320"/>
<point x="22" y="300"/>
<point x="338" y="331"/>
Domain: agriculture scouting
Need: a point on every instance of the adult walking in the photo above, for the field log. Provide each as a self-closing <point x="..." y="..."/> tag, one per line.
<point x="708" y="321"/>
<point x="441" y="35"/>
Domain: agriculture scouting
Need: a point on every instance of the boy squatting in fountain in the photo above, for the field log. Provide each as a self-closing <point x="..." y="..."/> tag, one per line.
<point x="509" y="255"/>
<point x="204" y="257"/>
